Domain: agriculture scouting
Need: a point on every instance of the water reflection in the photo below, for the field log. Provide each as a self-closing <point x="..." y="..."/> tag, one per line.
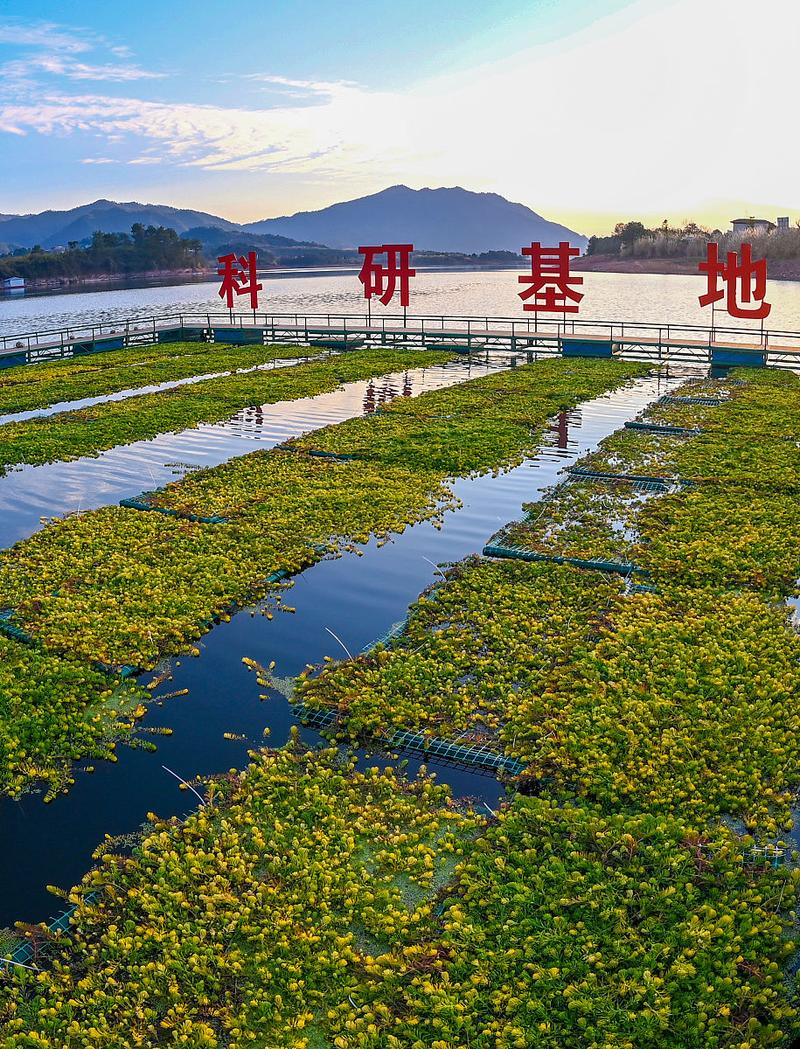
<point x="30" y="493"/>
<point x="560" y="427"/>
<point x="380" y="391"/>
<point x="644" y="297"/>
<point x="359" y="598"/>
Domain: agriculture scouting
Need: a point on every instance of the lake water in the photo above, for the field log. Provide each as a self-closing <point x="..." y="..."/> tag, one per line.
<point x="647" y="298"/>
<point x="357" y="597"/>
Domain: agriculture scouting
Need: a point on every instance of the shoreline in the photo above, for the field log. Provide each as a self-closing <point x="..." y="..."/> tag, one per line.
<point x="779" y="269"/>
<point x="109" y="281"/>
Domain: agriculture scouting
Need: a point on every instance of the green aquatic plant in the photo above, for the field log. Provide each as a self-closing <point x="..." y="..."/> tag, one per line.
<point x="126" y="587"/>
<point x="269" y="914"/>
<point x="472" y="648"/>
<point x="54" y="710"/>
<point x="88" y="431"/>
<point x="568" y="927"/>
<point x="41" y="385"/>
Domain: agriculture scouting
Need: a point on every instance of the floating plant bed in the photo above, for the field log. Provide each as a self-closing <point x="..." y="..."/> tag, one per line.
<point x="679" y="431"/>
<point x="517" y="553"/>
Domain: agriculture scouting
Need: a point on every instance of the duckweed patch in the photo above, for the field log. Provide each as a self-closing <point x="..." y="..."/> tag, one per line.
<point x="88" y="431"/>
<point x="54" y="710"/>
<point x="310" y="904"/>
<point x="41" y="385"/>
<point x="241" y="926"/>
<point x="122" y="587"/>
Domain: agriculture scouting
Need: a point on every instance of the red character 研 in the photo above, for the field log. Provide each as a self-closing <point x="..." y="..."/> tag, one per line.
<point x="382" y="280"/>
<point x="239" y="277"/>
<point x="750" y="275"/>
<point x="549" y="279"/>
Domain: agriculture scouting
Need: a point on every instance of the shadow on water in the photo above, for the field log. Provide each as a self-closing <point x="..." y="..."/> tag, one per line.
<point x="357" y="597"/>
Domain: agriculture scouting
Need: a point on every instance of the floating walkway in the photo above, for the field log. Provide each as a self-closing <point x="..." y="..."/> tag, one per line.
<point x="657" y="343"/>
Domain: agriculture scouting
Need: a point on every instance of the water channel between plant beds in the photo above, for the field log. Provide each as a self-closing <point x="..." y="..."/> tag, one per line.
<point x="58" y="407"/>
<point x="357" y="597"/>
<point x="30" y="493"/>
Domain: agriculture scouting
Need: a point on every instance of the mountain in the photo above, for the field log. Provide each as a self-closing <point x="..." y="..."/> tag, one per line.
<point x="432" y="219"/>
<point x="54" y="228"/>
<point x="437" y="220"/>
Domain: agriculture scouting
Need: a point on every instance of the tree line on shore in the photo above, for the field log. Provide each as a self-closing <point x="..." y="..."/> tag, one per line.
<point x="158" y="248"/>
<point x="145" y="248"/>
<point x="635" y="240"/>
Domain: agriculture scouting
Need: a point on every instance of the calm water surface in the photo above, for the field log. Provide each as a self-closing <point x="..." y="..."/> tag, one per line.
<point x="650" y="298"/>
<point x="31" y="494"/>
<point x="357" y="597"/>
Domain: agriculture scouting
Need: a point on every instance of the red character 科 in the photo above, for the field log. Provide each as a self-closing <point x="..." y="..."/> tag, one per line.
<point x="750" y="275"/>
<point x="239" y="277"/>
<point x="382" y="280"/>
<point x="550" y="281"/>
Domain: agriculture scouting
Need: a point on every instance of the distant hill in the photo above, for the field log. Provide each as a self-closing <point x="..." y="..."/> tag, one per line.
<point x="213" y="237"/>
<point x="55" y="228"/>
<point x="273" y="250"/>
<point x="432" y="219"/>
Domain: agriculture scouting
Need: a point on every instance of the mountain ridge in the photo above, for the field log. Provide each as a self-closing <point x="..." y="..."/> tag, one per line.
<point x="55" y="228"/>
<point x="442" y="219"/>
<point x="445" y="219"/>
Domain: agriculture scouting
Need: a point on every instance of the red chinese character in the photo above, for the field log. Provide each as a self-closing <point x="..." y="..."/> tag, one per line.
<point x="750" y="275"/>
<point x="239" y="277"/>
<point x="550" y="280"/>
<point x="382" y="280"/>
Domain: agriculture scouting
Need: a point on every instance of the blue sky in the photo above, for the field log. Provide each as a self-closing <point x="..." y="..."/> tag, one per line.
<point x="586" y="111"/>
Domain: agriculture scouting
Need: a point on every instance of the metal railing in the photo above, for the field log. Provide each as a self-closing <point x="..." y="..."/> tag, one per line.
<point x="630" y="332"/>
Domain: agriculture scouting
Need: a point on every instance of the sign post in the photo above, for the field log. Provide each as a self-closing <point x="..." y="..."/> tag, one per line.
<point x="382" y="279"/>
<point x="239" y="277"/>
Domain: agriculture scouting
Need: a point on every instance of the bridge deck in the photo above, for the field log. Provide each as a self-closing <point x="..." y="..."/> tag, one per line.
<point x="470" y="333"/>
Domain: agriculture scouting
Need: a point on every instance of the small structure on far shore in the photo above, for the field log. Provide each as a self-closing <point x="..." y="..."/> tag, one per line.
<point x="753" y="225"/>
<point x="12" y="284"/>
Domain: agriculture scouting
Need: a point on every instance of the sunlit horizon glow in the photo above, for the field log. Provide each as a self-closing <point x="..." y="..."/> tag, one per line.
<point x="588" y="113"/>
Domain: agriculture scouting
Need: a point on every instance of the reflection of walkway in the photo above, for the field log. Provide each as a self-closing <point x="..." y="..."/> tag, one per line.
<point x="379" y="393"/>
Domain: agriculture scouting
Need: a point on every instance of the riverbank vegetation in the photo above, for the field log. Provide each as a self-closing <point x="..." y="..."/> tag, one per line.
<point x="146" y="248"/>
<point x="633" y="240"/>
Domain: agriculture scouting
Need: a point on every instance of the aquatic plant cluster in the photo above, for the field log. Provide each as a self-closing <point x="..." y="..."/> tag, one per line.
<point x="613" y="902"/>
<point x="670" y="702"/>
<point x="94" y="375"/>
<point x="88" y="431"/>
<point x="122" y="588"/>
<point x="306" y="886"/>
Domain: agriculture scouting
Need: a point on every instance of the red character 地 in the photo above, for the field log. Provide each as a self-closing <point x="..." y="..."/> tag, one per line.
<point x="239" y="277"/>
<point x="550" y="282"/>
<point x="382" y="280"/>
<point x="743" y="272"/>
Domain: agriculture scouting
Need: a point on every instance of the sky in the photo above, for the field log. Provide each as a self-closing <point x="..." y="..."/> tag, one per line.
<point x="588" y="111"/>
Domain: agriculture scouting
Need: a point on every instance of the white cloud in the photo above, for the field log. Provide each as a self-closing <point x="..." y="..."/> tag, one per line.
<point x="41" y="34"/>
<point x="23" y="70"/>
<point x="661" y="108"/>
<point x="51" y="49"/>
